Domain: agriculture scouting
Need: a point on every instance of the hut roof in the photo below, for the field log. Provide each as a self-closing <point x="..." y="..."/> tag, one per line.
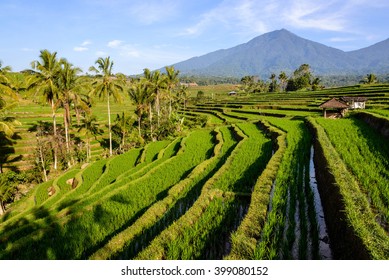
<point x="334" y="103"/>
<point x="353" y="98"/>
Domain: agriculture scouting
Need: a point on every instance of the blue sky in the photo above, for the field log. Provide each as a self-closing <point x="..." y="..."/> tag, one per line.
<point x="154" y="33"/>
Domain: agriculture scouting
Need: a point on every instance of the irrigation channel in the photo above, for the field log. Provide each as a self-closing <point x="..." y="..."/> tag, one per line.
<point x="325" y="252"/>
<point x="305" y="203"/>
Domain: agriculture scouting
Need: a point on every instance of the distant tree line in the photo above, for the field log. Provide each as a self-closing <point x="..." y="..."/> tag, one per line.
<point x="348" y="80"/>
<point x="325" y="80"/>
<point x="302" y="78"/>
<point x="208" y="80"/>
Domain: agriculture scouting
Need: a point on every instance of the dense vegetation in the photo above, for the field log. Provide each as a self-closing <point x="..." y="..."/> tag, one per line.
<point x="188" y="172"/>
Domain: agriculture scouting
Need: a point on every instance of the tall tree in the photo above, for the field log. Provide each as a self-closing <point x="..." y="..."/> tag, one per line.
<point x="171" y="82"/>
<point x="157" y="82"/>
<point x="7" y="190"/>
<point x="369" y="79"/>
<point x="283" y="78"/>
<point x="107" y="86"/>
<point x="273" y="87"/>
<point x="46" y="82"/>
<point x="122" y="127"/>
<point x="69" y="87"/>
<point x="301" y="79"/>
<point x="140" y="93"/>
<point x="5" y="84"/>
<point x="316" y="83"/>
<point x="7" y="123"/>
<point x="182" y="95"/>
<point x="89" y="127"/>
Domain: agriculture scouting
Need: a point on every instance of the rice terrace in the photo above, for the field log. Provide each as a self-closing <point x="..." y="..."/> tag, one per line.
<point x="108" y="166"/>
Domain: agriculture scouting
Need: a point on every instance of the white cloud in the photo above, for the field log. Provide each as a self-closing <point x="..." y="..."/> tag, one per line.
<point x="126" y="50"/>
<point x="145" y="12"/>
<point x="80" y="49"/>
<point x="114" y="43"/>
<point x="328" y="15"/>
<point x="253" y="17"/>
<point x="152" y="11"/>
<point x="101" y="53"/>
<point x="86" y="43"/>
<point x="26" y="49"/>
<point x="246" y="16"/>
<point x="342" y="39"/>
<point x="147" y="57"/>
<point x="130" y="53"/>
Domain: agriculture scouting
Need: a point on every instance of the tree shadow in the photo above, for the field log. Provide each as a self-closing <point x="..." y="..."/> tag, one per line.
<point x="7" y="152"/>
<point x="44" y="237"/>
<point x="104" y="143"/>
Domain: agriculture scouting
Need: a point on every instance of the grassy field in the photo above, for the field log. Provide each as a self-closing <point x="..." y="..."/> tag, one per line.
<point x="241" y="187"/>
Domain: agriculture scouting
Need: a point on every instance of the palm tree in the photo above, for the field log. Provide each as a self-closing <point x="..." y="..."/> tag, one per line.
<point x="157" y="82"/>
<point x="6" y="192"/>
<point x="273" y="83"/>
<point x="182" y="94"/>
<point x="283" y="80"/>
<point x="316" y="83"/>
<point x="89" y="127"/>
<point x="123" y="124"/>
<point x="7" y="123"/>
<point x="5" y="86"/>
<point x="69" y="87"/>
<point x="107" y="86"/>
<point x="369" y="79"/>
<point x="171" y="82"/>
<point x="140" y="96"/>
<point x="46" y="82"/>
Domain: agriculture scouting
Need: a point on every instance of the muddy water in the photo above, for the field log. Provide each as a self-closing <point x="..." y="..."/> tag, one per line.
<point x="324" y="241"/>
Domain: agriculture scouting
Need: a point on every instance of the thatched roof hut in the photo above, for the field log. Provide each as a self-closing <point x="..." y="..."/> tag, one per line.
<point x="335" y="105"/>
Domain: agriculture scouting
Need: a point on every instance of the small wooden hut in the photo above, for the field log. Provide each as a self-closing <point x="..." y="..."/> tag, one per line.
<point x="336" y="107"/>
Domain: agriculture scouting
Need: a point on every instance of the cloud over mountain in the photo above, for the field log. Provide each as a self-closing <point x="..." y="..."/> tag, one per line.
<point x="282" y="50"/>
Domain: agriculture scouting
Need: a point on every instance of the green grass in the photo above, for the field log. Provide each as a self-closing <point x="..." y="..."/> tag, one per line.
<point x="202" y="232"/>
<point x="366" y="154"/>
<point x="186" y="198"/>
<point x="75" y="236"/>
<point x="357" y="209"/>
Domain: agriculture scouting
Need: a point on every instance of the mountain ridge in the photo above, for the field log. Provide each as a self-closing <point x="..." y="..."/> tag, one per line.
<point x="282" y="50"/>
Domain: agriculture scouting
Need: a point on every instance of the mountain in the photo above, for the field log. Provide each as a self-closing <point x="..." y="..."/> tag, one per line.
<point x="282" y="50"/>
<point x="375" y="57"/>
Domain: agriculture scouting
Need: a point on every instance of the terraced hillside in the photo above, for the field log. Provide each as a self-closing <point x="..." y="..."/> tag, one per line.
<point x="30" y="113"/>
<point x="266" y="178"/>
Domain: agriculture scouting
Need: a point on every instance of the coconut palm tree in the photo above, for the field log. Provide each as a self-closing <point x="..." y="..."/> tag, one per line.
<point x="140" y="95"/>
<point x="157" y="83"/>
<point x="283" y="80"/>
<point x="107" y="86"/>
<point x="171" y="82"/>
<point x="6" y="192"/>
<point x="8" y="99"/>
<point x="273" y="83"/>
<point x="122" y="127"/>
<point x="182" y="94"/>
<point x="7" y="123"/>
<point x="369" y="79"/>
<point x="5" y="86"/>
<point x="69" y="87"/>
<point x="89" y="127"/>
<point x="45" y="81"/>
